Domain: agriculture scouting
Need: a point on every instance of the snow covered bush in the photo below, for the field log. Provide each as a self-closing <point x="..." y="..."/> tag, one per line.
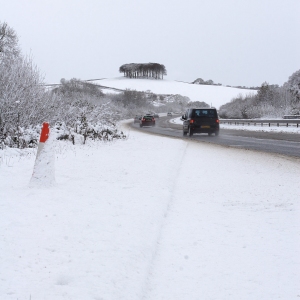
<point x="84" y="130"/>
<point x="294" y="85"/>
<point x="22" y="138"/>
<point x="207" y="82"/>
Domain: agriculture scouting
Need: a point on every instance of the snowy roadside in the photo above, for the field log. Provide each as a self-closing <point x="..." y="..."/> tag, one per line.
<point x="151" y="218"/>
<point x="291" y="129"/>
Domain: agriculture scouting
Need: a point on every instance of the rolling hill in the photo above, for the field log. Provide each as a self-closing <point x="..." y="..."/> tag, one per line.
<point x="211" y="94"/>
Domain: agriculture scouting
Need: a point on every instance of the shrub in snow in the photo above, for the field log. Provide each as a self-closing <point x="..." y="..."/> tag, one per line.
<point x="62" y="131"/>
<point x="21" y="138"/>
<point x="207" y="82"/>
<point x="84" y="130"/>
<point x="199" y="81"/>
<point x="294" y="85"/>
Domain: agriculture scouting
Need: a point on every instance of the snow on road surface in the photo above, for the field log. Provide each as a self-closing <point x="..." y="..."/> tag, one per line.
<point x="151" y="218"/>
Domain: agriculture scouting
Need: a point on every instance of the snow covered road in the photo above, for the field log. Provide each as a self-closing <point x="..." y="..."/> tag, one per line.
<point x="151" y="218"/>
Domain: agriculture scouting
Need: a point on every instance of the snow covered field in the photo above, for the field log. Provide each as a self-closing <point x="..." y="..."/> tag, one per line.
<point x="151" y="218"/>
<point x="211" y="94"/>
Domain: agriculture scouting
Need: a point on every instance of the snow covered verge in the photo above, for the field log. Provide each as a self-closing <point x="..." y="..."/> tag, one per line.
<point x="150" y="218"/>
<point x="80" y="132"/>
<point x="291" y="129"/>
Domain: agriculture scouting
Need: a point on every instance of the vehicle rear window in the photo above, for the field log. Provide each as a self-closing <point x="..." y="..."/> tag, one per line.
<point x="148" y="117"/>
<point x="211" y="113"/>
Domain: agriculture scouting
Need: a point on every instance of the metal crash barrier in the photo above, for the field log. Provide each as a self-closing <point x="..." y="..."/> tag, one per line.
<point x="257" y="122"/>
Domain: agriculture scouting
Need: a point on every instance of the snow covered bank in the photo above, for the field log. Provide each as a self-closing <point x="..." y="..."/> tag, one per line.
<point x="214" y="95"/>
<point x="151" y="218"/>
<point x="291" y="129"/>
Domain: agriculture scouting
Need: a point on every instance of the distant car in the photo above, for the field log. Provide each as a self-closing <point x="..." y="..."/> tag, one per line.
<point x="147" y="120"/>
<point x="169" y="114"/>
<point x="201" y="120"/>
<point x="137" y="119"/>
<point x="156" y="116"/>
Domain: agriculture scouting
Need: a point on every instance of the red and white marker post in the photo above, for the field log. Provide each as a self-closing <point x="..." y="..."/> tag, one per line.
<point x="43" y="138"/>
<point x="43" y="171"/>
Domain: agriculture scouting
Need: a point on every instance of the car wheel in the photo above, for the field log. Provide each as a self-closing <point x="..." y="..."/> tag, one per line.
<point x="216" y="133"/>
<point x="141" y="125"/>
<point x="184" y="133"/>
<point x="190" y="131"/>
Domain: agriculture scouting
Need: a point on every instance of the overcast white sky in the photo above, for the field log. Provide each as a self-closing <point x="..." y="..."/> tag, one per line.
<point x="236" y="42"/>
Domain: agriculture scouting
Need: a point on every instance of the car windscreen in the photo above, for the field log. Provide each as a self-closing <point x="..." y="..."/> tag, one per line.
<point x="199" y="113"/>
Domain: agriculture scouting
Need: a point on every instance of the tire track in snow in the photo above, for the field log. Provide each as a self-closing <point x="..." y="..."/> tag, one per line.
<point x="163" y="224"/>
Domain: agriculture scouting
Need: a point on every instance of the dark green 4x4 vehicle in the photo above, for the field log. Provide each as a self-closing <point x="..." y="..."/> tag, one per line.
<point x="201" y="120"/>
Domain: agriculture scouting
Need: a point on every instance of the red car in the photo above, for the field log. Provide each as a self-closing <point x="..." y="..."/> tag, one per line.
<point x="147" y="121"/>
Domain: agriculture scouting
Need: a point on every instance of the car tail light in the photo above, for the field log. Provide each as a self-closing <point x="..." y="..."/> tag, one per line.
<point x="217" y="121"/>
<point x="143" y="120"/>
<point x="192" y="121"/>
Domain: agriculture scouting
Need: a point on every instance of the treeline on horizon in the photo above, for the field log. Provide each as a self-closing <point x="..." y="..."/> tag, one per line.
<point x="139" y="70"/>
<point x="210" y="82"/>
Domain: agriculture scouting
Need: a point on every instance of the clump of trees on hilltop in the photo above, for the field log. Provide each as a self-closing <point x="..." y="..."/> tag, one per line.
<point x="149" y="70"/>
